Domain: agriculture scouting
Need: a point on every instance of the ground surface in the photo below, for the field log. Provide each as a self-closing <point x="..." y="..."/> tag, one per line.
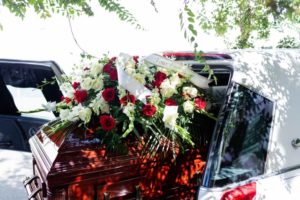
<point x="14" y="167"/>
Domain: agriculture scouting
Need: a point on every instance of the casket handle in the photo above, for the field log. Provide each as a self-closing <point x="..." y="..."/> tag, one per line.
<point x="36" y="189"/>
<point x="34" y="193"/>
<point x="29" y="180"/>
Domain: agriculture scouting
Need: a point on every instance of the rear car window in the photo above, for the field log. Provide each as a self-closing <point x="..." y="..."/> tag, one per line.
<point x="242" y="138"/>
<point x="29" y="99"/>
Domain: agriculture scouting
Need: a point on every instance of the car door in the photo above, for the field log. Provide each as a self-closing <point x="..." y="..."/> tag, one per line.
<point x="21" y="87"/>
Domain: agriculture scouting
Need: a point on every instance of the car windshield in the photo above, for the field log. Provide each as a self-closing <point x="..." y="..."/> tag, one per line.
<point x="242" y="136"/>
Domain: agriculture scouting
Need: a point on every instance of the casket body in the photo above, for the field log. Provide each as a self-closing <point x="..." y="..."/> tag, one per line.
<point x="71" y="167"/>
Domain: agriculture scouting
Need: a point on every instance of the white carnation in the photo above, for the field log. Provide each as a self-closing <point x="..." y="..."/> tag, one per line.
<point x="139" y="77"/>
<point x="188" y="107"/>
<point x="155" y="99"/>
<point x="130" y="71"/>
<point x="143" y="69"/>
<point x="170" y="116"/>
<point x="167" y="89"/>
<point x="190" y="92"/>
<point x="85" y="114"/>
<point x="130" y="64"/>
<point x="87" y="83"/>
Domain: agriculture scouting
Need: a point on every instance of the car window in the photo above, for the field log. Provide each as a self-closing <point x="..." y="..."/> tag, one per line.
<point x="27" y="99"/>
<point x="243" y="135"/>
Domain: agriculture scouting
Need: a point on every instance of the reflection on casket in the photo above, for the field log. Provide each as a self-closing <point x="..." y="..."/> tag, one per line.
<point x="75" y="168"/>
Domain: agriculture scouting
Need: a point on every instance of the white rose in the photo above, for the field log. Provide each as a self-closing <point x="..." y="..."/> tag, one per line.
<point x="167" y="89"/>
<point x="188" y="107"/>
<point x="87" y="83"/>
<point x="64" y="113"/>
<point x="85" y="114"/>
<point x="104" y="107"/>
<point x="190" y="92"/>
<point x="175" y="80"/>
<point x="98" y="84"/>
<point x="170" y="116"/>
<point x="96" y="69"/>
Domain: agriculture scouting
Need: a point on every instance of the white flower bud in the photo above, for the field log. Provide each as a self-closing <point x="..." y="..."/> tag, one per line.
<point x="189" y="92"/>
<point x="188" y="107"/>
<point x="170" y="117"/>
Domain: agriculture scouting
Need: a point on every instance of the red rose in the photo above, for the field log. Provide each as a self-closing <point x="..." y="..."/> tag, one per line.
<point x="107" y="67"/>
<point x="80" y="95"/>
<point x="107" y="122"/>
<point x="66" y="99"/>
<point x="128" y="98"/>
<point x="113" y="59"/>
<point x="159" y="78"/>
<point x="136" y="59"/>
<point x="113" y="75"/>
<point x="148" y="110"/>
<point x="75" y="85"/>
<point x="108" y="94"/>
<point x="170" y="102"/>
<point x="200" y="104"/>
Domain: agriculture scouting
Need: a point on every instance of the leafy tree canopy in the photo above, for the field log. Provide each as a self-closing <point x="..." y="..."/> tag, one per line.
<point x="252" y="19"/>
<point x="45" y="8"/>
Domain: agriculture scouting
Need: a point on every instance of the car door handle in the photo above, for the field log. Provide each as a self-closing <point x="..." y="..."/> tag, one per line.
<point x="5" y="144"/>
<point x="296" y="143"/>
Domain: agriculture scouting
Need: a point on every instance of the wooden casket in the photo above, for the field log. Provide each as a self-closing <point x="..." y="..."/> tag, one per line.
<point x="71" y="167"/>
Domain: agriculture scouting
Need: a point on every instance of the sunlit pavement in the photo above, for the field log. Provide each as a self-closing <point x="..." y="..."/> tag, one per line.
<point x="14" y="167"/>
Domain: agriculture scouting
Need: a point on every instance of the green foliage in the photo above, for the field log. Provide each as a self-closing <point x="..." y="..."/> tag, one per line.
<point x="288" y="42"/>
<point x="45" y="8"/>
<point x="252" y="19"/>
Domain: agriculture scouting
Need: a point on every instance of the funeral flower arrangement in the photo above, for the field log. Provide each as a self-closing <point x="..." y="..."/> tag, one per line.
<point x="152" y="97"/>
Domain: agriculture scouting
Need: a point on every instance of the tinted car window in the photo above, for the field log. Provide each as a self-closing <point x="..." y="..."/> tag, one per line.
<point x="243" y="135"/>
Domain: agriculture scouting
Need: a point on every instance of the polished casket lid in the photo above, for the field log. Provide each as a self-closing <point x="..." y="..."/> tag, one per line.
<point x="69" y="158"/>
